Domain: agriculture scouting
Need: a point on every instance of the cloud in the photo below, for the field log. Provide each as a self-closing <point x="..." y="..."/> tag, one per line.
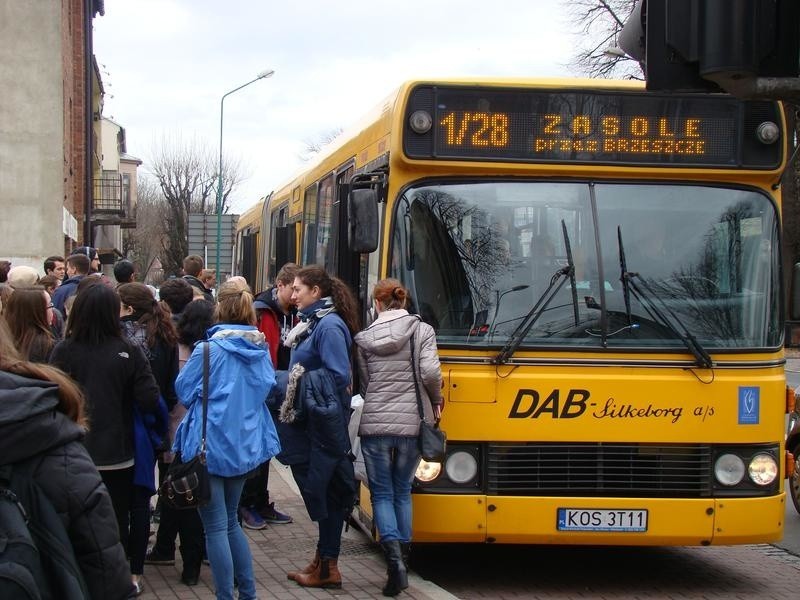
<point x="169" y="62"/>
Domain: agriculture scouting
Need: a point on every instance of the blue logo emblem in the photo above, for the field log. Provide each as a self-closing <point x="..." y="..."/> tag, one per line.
<point x="749" y="405"/>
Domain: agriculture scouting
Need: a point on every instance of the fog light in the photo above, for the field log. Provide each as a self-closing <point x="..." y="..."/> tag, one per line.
<point x="768" y="132"/>
<point x="729" y="469"/>
<point x="420" y="121"/>
<point x="428" y="471"/>
<point x="461" y="467"/>
<point x="763" y="469"/>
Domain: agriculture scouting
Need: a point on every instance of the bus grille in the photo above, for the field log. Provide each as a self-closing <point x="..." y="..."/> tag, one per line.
<point x="599" y="469"/>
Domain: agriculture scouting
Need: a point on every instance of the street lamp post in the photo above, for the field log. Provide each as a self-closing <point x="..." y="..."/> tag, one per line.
<point x="262" y="75"/>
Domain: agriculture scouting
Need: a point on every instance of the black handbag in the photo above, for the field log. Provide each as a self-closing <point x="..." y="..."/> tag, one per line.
<point x="186" y="485"/>
<point x="432" y="440"/>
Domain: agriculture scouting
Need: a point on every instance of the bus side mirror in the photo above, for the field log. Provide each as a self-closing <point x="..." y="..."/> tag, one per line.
<point x="362" y="213"/>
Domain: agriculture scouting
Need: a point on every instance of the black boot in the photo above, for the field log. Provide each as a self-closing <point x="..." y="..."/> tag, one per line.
<point x="405" y="549"/>
<point x="395" y="569"/>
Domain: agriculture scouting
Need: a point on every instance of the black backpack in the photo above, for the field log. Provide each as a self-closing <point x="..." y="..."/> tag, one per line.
<point x="36" y="556"/>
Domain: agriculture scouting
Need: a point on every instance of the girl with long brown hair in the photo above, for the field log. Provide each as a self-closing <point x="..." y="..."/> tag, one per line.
<point x="115" y="376"/>
<point x="147" y="323"/>
<point x="322" y="340"/>
<point x="26" y="315"/>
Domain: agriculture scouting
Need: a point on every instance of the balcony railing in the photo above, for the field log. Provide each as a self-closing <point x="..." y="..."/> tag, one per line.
<point x="108" y="197"/>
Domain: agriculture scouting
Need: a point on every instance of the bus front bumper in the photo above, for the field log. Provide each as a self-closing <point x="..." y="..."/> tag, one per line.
<point x="523" y="520"/>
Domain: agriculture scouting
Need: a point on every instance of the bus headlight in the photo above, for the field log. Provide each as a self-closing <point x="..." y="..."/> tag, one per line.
<point x="768" y="132"/>
<point x="763" y="469"/>
<point x="729" y="469"/>
<point x="428" y="471"/>
<point x="461" y="467"/>
<point x="420" y="121"/>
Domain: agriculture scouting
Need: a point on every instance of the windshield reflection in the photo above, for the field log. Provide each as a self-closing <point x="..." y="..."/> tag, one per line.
<point x="478" y="256"/>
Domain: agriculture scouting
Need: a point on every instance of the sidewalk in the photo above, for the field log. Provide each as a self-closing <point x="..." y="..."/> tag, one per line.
<point x="281" y="548"/>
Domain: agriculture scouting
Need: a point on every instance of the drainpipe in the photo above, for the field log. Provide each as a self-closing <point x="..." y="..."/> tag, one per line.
<point x="88" y="93"/>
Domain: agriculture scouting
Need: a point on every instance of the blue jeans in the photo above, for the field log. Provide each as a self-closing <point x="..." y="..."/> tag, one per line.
<point x="391" y="462"/>
<point x="226" y="543"/>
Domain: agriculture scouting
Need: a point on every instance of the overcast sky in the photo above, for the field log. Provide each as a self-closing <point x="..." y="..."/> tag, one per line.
<point x="166" y="64"/>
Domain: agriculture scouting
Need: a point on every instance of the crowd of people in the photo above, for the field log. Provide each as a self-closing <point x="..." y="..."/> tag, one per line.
<point x="102" y="380"/>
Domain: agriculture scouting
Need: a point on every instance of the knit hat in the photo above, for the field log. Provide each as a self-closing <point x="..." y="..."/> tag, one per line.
<point x="22" y="276"/>
<point x="88" y="251"/>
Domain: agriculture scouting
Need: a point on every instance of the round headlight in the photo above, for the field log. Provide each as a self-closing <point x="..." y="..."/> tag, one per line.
<point x="420" y="121"/>
<point x="729" y="469"/>
<point x="461" y="467"/>
<point x="763" y="469"/>
<point x="768" y="132"/>
<point x="428" y="471"/>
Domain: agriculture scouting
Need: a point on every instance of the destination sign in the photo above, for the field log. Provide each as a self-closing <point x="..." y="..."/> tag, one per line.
<point x="598" y="127"/>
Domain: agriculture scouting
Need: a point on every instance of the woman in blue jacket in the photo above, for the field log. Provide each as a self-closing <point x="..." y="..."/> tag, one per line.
<point x="240" y="434"/>
<point x="322" y="340"/>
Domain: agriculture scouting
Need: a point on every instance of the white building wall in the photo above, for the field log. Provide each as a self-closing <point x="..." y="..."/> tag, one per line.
<point x="109" y="132"/>
<point x="31" y="132"/>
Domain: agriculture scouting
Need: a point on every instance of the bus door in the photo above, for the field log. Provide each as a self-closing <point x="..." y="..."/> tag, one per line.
<point x="281" y="243"/>
<point x="347" y="262"/>
<point x="248" y="246"/>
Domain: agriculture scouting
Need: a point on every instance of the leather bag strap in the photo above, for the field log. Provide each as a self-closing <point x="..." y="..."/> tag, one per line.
<point x="416" y="383"/>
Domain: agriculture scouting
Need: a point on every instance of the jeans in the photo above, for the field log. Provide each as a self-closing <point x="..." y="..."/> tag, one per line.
<point x="330" y="528"/>
<point x="226" y="543"/>
<point x="391" y="462"/>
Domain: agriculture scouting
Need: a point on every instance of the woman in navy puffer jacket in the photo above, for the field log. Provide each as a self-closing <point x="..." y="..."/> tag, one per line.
<point x="322" y="341"/>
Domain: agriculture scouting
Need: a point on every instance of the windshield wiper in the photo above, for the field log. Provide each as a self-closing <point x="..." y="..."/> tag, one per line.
<point x="571" y="265"/>
<point x="557" y="281"/>
<point x="645" y="295"/>
<point x="623" y="269"/>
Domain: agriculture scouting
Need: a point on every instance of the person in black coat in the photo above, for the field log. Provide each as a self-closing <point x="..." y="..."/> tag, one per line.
<point x="115" y="375"/>
<point x="42" y="422"/>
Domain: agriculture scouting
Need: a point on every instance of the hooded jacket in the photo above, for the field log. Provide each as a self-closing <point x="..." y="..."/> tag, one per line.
<point x="198" y="285"/>
<point x="240" y="434"/>
<point x="387" y="382"/>
<point x="32" y="429"/>
<point x="275" y="325"/>
<point x="64" y="291"/>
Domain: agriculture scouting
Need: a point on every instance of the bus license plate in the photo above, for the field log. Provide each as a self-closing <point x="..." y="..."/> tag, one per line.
<point x="590" y="519"/>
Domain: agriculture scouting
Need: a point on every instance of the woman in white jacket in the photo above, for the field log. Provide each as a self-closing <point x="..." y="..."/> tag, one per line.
<point x="390" y="420"/>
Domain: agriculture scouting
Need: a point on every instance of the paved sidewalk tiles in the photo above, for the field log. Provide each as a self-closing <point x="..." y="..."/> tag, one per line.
<point x="281" y="548"/>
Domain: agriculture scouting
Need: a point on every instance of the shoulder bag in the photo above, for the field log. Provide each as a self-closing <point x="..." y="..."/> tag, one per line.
<point x="432" y="440"/>
<point x="186" y="485"/>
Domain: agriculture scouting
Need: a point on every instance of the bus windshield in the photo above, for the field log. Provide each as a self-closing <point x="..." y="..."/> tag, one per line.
<point x="480" y="256"/>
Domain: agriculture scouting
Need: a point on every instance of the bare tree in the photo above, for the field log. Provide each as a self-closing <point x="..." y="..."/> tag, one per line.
<point x="145" y="243"/>
<point x="315" y="146"/>
<point x="598" y="24"/>
<point x="188" y="175"/>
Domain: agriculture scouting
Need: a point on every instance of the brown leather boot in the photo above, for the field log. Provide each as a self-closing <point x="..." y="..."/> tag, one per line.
<point x="309" y="568"/>
<point x="326" y="575"/>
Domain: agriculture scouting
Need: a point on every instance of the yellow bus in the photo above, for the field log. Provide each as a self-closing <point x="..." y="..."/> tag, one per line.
<point x="602" y="268"/>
